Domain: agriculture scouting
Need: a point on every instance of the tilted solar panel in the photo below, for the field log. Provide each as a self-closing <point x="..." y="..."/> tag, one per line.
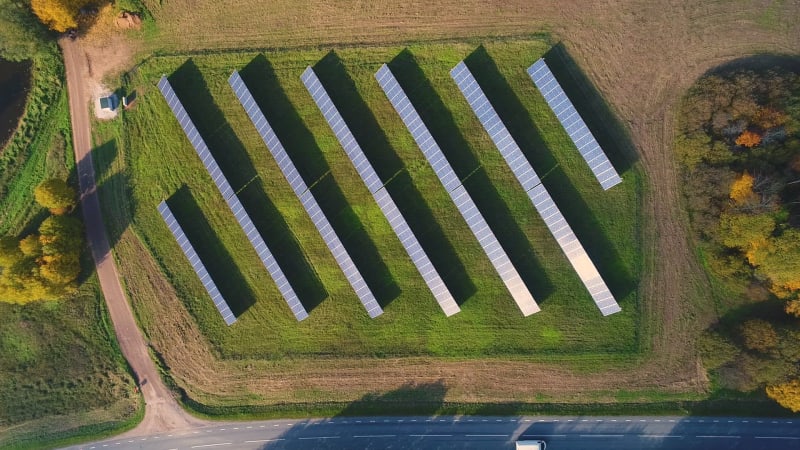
<point x="197" y="265"/>
<point x="537" y="193"/>
<point x="475" y="221"/>
<point x="572" y="122"/>
<point x="306" y="198"/>
<point x="232" y="200"/>
<point x="382" y="197"/>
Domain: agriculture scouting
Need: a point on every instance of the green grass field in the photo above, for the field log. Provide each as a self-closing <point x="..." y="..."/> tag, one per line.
<point x="61" y="373"/>
<point x="161" y="164"/>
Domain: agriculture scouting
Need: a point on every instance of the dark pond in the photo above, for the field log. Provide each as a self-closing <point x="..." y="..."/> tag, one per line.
<point x="15" y="80"/>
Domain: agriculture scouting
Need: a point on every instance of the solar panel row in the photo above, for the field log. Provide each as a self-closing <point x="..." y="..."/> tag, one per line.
<point x="477" y="224"/>
<point x="304" y="194"/>
<point x="197" y="265"/>
<point x="572" y="122"/>
<point x="382" y="197"/>
<point x="537" y="193"/>
<point x="232" y="200"/>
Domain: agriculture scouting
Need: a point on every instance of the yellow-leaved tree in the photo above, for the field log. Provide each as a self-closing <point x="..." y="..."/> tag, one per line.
<point x="786" y="394"/>
<point x="56" y="195"/>
<point x="742" y="189"/>
<point x="58" y="15"/>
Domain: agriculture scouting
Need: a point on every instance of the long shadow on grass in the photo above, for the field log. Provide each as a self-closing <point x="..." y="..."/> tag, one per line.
<point x="444" y="130"/>
<point x="299" y="143"/>
<point x="391" y="170"/>
<point x="604" y="124"/>
<point x="570" y="202"/>
<point x="410" y="398"/>
<point x="233" y="160"/>
<point x="113" y="191"/>
<point x="215" y="257"/>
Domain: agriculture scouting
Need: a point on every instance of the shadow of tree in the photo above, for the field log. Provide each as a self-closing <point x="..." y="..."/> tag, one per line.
<point x="570" y="202"/>
<point x="234" y="161"/>
<point x="442" y="126"/>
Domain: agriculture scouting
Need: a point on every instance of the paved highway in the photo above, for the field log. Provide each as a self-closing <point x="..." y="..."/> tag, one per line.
<point x="472" y="432"/>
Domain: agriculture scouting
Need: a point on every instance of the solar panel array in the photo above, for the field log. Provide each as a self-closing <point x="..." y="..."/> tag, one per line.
<point x="232" y="200"/>
<point x="197" y="265"/>
<point x="304" y="194"/>
<point x="572" y="122"/>
<point x="382" y="197"/>
<point x="477" y="224"/>
<point x="536" y="191"/>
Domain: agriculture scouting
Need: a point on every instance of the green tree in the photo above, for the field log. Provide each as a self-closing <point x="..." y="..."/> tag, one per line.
<point x="56" y="195"/>
<point x="31" y="246"/>
<point x="61" y="235"/>
<point x="60" y="270"/>
<point x="759" y="335"/>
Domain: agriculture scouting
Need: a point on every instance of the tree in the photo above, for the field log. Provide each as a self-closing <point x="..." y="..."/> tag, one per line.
<point x="55" y="195"/>
<point x="31" y="246"/>
<point x="742" y="188"/>
<point x="748" y="139"/>
<point x="60" y="269"/>
<point x="61" y="235"/>
<point x="786" y="394"/>
<point x="744" y="231"/>
<point x="793" y="308"/>
<point x="58" y="15"/>
<point x="759" y="335"/>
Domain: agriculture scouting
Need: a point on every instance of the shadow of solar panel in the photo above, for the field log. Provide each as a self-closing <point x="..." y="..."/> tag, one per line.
<point x="197" y="265"/>
<point x="572" y="122"/>
<point x="381" y="196"/>
<point x="233" y="202"/>
<point x="536" y="191"/>
<point x="475" y="221"/>
<point x="304" y="195"/>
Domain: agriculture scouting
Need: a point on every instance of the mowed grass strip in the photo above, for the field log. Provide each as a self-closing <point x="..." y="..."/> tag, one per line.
<point x="162" y="163"/>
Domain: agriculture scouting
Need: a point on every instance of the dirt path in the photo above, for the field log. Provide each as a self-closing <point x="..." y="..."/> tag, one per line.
<point x="162" y="411"/>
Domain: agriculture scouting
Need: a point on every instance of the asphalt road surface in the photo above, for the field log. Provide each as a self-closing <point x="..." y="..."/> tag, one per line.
<point x="468" y="432"/>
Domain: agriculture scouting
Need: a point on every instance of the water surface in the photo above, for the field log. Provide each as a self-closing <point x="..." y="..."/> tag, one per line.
<point x="15" y="78"/>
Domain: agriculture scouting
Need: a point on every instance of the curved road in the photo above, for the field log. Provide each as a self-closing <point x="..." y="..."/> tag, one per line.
<point x="162" y="412"/>
<point x="560" y="433"/>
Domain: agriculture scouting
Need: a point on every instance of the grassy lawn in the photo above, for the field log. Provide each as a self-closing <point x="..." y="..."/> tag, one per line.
<point x="61" y="374"/>
<point x="160" y="164"/>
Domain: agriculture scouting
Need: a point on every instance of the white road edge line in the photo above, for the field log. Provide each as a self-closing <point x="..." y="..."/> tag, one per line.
<point x="319" y="437"/>
<point x="212" y="445"/>
<point x="375" y="436"/>
<point x="264" y="440"/>
<point x="778" y="437"/>
<point x="486" y="435"/>
<point x="721" y="437"/>
<point x="600" y="435"/>
<point x="430" y="435"/>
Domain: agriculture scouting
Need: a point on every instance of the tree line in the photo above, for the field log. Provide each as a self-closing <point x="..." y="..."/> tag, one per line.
<point x="739" y="145"/>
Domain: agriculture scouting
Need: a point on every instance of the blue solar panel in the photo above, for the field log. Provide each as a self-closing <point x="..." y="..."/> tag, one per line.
<point x="477" y="224"/>
<point x="382" y="197"/>
<point x="197" y="265"/>
<point x="572" y="122"/>
<point x="537" y="193"/>
<point x="232" y="200"/>
<point x="306" y="198"/>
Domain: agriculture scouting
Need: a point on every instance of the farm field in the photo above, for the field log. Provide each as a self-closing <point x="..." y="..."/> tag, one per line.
<point x="165" y="166"/>
<point x="641" y="57"/>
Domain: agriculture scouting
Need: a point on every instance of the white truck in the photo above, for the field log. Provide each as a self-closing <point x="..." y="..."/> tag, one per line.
<point x="531" y="445"/>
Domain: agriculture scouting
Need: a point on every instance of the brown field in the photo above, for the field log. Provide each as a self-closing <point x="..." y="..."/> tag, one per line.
<point x="642" y="56"/>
